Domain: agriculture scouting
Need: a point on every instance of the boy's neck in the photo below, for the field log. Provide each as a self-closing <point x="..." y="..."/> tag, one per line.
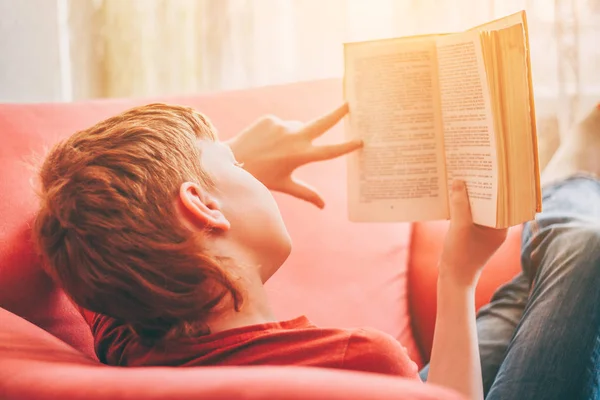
<point x="255" y="310"/>
<point x="245" y="264"/>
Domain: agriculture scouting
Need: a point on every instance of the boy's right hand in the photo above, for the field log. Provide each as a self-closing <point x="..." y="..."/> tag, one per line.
<point x="272" y="149"/>
<point x="467" y="246"/>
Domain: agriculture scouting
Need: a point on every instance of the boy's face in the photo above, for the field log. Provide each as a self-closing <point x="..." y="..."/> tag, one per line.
<point x="255" y="223"/>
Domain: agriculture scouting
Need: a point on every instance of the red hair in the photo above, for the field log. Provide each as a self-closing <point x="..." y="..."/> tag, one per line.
<point x="108" y="230"/>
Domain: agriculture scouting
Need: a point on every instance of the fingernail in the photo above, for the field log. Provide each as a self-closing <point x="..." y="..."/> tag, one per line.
<point x="457" y="185"/>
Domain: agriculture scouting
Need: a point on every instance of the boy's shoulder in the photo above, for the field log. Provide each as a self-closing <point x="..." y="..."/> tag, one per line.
<point x="292" y="342"/>
<point x="372" y="350"/>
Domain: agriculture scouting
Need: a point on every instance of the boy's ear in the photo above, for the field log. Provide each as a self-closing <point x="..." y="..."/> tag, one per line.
<point x="201" y="208"/>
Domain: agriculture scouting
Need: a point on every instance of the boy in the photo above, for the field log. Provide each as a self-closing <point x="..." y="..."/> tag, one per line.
<point x="167" y="236"/>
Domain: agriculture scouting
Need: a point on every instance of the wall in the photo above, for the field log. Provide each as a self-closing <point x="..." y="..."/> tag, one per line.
<point x="30" y="52"/>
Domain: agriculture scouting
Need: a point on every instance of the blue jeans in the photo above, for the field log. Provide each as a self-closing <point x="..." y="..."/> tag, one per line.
<point x="539" y="338"/>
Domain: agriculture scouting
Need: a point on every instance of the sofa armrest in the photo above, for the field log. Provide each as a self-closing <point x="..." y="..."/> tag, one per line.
<point x="426" y="248"/>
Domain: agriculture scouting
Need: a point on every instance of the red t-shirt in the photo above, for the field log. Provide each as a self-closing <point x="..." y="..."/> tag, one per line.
<point x="295" y="342"/>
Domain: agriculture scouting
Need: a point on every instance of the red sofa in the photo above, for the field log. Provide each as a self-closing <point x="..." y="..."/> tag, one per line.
<point x="339" y="274"/>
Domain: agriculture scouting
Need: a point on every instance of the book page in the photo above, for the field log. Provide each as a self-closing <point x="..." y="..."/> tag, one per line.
<point x="391" y="89"/>
<point x="517" y="18"/>
<point x="468" y="123"/>
<point x="520" y="18"/>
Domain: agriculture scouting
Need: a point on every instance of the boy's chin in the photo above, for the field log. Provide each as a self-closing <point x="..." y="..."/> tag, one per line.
<point x="276" y="260"/>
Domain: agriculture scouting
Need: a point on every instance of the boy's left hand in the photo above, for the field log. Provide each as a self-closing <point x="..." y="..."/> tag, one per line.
<point x="467" y="246"/>
<point x="271" y="149"/>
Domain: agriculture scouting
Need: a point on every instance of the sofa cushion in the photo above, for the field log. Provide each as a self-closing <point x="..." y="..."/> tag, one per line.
<point x="37" y="365"/>
<point x="21" y="340"/>
<point x="339" y="274"/>
<point x="426" y="248"/>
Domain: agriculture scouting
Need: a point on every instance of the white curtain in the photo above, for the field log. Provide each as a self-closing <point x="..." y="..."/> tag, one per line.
<point x="122" y="48"/>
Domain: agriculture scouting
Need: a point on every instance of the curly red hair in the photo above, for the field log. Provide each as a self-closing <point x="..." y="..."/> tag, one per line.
<point x="108" y="229"/>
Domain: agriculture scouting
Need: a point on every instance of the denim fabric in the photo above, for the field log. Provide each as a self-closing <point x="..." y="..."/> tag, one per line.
<point x="539" y="337"/>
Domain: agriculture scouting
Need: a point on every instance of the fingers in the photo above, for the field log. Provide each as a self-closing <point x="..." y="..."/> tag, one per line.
<point x="460" y="209"/>
<point x="335" y="150"/>
<point x="268" y="119"/>
<point x="294" y="126"/>
<point x="321" y="125"/>
<point x="304" y="192"/>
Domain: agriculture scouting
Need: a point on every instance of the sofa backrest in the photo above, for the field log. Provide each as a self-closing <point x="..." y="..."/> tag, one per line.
<point x="339" y="274"/>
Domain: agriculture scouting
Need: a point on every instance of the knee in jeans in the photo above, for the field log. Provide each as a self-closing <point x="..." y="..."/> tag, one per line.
<point x="579" y="244"/>
<point x="582" y="237"/>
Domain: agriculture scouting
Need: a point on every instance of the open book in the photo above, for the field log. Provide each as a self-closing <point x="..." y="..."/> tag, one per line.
<point x="435" y="108"/>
